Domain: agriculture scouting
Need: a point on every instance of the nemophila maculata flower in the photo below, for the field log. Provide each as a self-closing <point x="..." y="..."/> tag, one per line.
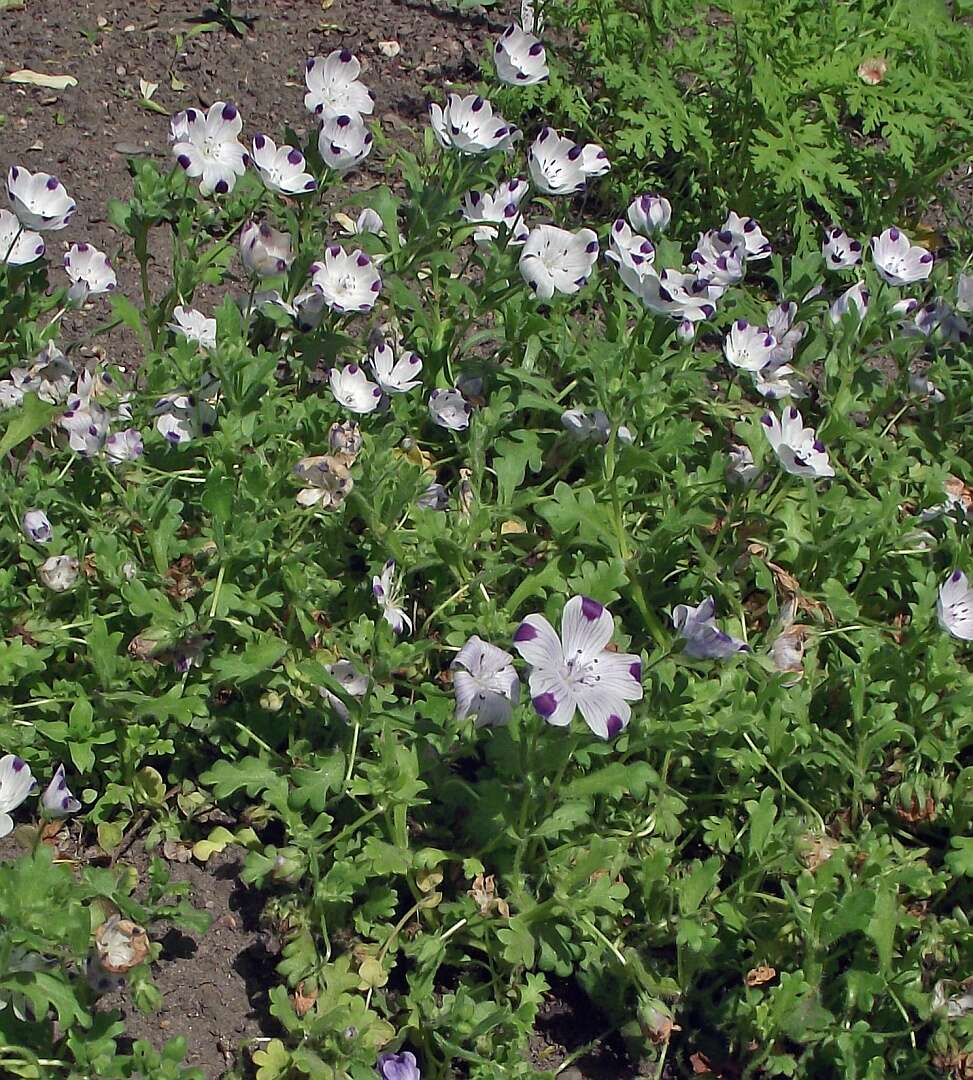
<point x="346" y="282"/>
<point x="328" y="481"/>
<point x="36" y="527"/>
<point x="749" y="347"/>
<point x="18" y="246"/>
<point x="556" y="260"/>
<point x="491" y="211"/>
<point x="898" y="261"/>
<point x="797" y="447"/>
<point x="449" y="409"/>
<point x="954" y="608"/>
<point x="756" y="246"/>
<point x="632" y="253"/>
<point x="434" y="497"/>
<point x="485" y="683"/>
<point x="577" y="672"/>
<point x="559" y="166"/>
<point x="39" y="200"/>
<point x="520" y="58"/>
<point x="265" y="251"/>
<point x="702" y="638"/>
<point x="840" y="251"/>
<point x="468" y="124"/>
<point x="398" y="1066"/>
<point x="855" y="299"/>
<point x="344" y="142"/>
<point x="333" y="86"/>
<point x="206" y="146"/>
<point x="193" y="325"/>
<point x="182" y="417"/>
<point x="649" y="214"/>
<point x="350" y="679"/>
<point x="740" y="468"/>
<point x="49" y="376"/>
<point x="940" y="321"/>
<point x="16" y="783"/>
<point x="395" y="375"/>
<point x="593" y="426"/>
<point x="679" y="295"/>
<point x="719" y="258"/>
<point x="122" y="446"/>
<point x="57" y="799"/>
<point x="90" y="273"/>
<point x="353" y="389"/>
<point x="387" y="590"/>
<point x="282" y="168"/>
<point x="59" y="573"/>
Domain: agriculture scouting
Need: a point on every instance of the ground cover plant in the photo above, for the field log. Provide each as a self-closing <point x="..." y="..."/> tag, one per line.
<point x="534" y="598"/>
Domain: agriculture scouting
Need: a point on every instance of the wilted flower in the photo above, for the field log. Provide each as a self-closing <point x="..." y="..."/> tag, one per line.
<point x="395" y="376"/>
<point x="207" y="147"/>
<point x="755" y="244"/>
<point x="749" y="347"/>
<point x="703" y="639"/>
<point x="122" y="446"/>
<point x="36" y="527"/>
<point x="433" y="498"/>
<point x="650" y="214"/>
<point x="780" y="322"/>
<point x="16" y="783"/>
<point x="327" y="478"/>
<point x="265" y="251"/>
<point x="398" y="1066"/>
<point x="57" y="798"/>
<point x="347" y="282"/>
<point x="787" y="654"/>
<point x="59" y="572"/>
<point x="282" y="168"/>
<point x="39" y="200"/>
<point x="954" y="609"/>
<point x="964" y="293"/>
<point x="872" y="70"/>
<point x="485" y="682"/>
<point x="854" y="299"/>
<point x="344" y="142"/>
<point x="797" y="448"/>
<point x="387" y="590"/>
<point x="121" y="944"/>
<point x="579" y="672"/>
<point x="193" y="326"/>
<point x="350" y="679"/>
<point x="840" y="252"/>
<point x="897" y="260"/>
<point x="345" y="440"/>
<point x="559" y="166"/>
<point x="333" y="86"/>
<point x="740" y="468"/>
<point x="449" y="409"/>
<point x="490" y="211"/>
<point x="18" y="246"/>
<point x="555" y="260"/>
<point x="469" y="125"/>
<point x="923" y="386"/>
<point x="940" y="321"/>
<point x="520" y="58"/>
<point x="90" y="273"/>
<point x="593" y="426"/>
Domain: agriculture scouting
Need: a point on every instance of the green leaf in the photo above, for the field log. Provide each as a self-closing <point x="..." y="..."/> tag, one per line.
<point x="258" y="656"/>
<point x="881" y="928"/>
<point x="763" y="813"/>
<point x="26" y="421"/>
<point x="227" y="777"/>
<point x="103" y="651"/>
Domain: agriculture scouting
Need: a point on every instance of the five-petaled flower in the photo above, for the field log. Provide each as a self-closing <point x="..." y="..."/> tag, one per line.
<point x="500" y="208"/>
<point x="839" y="250"/>
<point x="194" y="326"/>
<point x="207" y="146"/>
<point x="16" y="783"/>
<point x="702" y="638"/>
<point x="36" y="527"/>
<point x="282" y="168"/>
<point x="650" y="214"/>
<point x="387" y="590"/>
<point x="353" y="389"/>
<point x="398" y="1066"/>
<point x="898" y="261"/>
<point x="333" y="86"/>
<point x="468" y="124"/>
<point x="344" y="141"/>
<point x="577" y="671"/>
<point x="749" y="347"/>
<point x="520" y="57"/>
<point x="797" y="447"/>
<point x="346" y="282"/>
<point x="954" y="608"/>
<point x="485" y="682"/>
<point x="90" y="273"/>
<point x="559" y="166"/>
<point x="18" y="246"/>
<point x="449" y="409"/>
<point x="556" y="260"/>
<point x="39" y="200"/>
<point x="395" y="375"/>
<point x="57" y="799"/>
<point x="265" y="251"/>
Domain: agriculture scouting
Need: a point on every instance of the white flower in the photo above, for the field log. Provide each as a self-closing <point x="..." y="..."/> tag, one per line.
<point x="182" y="417"/>
<point x="123" y="446"/>
<point x="578" y="672"/>
<point x="797" y="447"/>
<point x="18" y="246"/>
<point x="720" y="257"/>
<point x="350" y="679"/>
<point x="351" y="388"/>
<point x="559" y="166"/>
<point x="207" y="147"/>
<point x="395" y="376"/>
<point x="347" y="282"/>
<point x="941" y="321"/>
<point x="555" y="260"/>
<point x="90" y="273"/>
<point x="749" y="347"/>
<point x="632" y="253"/>
<point x="485" y="682"/>
<point x="59" y="573"/>
<point x="898" y="261"/>
<point x="39" y="200"/>
<point x="740" y="468"/>
<point x="649" y="214"/>
<point x="344" y="142"/>
<point x="593" y="426"/>
<point x="840" y="252"/>
<point x="36" y="527"/>
<point x="490" y="211"/>
<point x="679" y="295"/>
<point x="282" y="168"/>
<point x="449" y="409"/>
<point x="954" y="609"/>
<point x="755" y="244"/>
<point x="520" y="58"/>
<point x="87" y="424"/>
<point x="368" y="221"/>
<point x="469" y="125"/>
<point x="333" y="86"/>
<point x="702" y="638"/>
<point x="16" y="782"/>
<point x="387" y="590"/>
<point x="853" y="300"/>
<point x="778" y="381"/>
<point x="780" y="322"/>
<point x="964" y="293"/>
<point x="193" y="326"/>
<point x="57" y="798"/>
<point x="49" y="376"/>
<point x="265" y="251"/>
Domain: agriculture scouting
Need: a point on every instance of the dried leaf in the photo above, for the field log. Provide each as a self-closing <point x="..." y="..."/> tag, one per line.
<point x="41" y="78"/>
<point x="872" y="71"/>
<point x="759" y="975"/>
<point x="303" y="1002"/>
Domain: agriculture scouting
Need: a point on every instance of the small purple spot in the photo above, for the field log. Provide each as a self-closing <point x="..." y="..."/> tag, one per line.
<point x="229" y="112"/>
<point x="545" y="704"/>
<point x="956" y="575"/>
<point x="222" y="187"/>
<point x="855" y="246"/>
<point x="310" y="185"/>
<point x="500" y="132"/>
<point x="352" y="369"/>
<point x="18" y="764"/>
<point x="614" y="726"/>
<point x="767" y="420"/>
<point x="65" y="802"/>
<point x="593" y="246"/>
<point x="375" y="286"/>
<point x="926" y="259"/>
<point x="536" y="49"/>
<point x="15" y="172"/>
<point x="477" y="103"/>
<point x="309" y="64"/>
<point x="376" y="392"/>
<point x="334" y="249"/>
<point x="295" y="157"/>
<point x="893" y="234"/>
<point x="345" y="56"/>
<point x="184" y="160"/>
<point x="635" y="670"/>
<point x="52" y="183"/>
<point x="525" y="632"/>
<point x="725" y="236"/>
<point x="259" y="141"/>
<point x="591" y="609"/>
<point x="363" y="259"/>
<point x="768" y="342"/>
<point x="343" y="121"/>
<point x="742" y="324"/>
<point x="818" y="445"/>
<point x="574" y="153"/>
